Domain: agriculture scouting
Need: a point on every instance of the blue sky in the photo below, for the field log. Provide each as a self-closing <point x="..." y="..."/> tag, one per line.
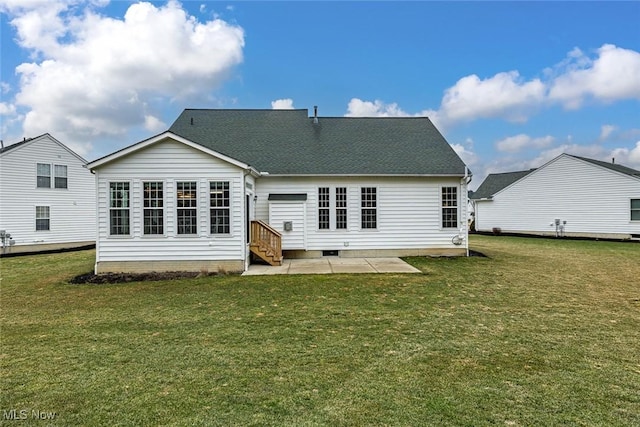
<point x="511" y="85"/>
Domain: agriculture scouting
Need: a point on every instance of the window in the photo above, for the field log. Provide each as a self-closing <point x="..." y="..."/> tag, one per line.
<point x="42" y="218"/>
<point x="323" y="208"/>
<point x="60" y="176"/>
<point x="153" y="211"/>
<point x="219" y="202"/>
<point x="43" y="175"/>
<point x="368" y="203"/>
<point x="635" y="209"/>
<point x="341" y="208"/>
<point x="187" y="201"/>
<point x="119" y="208"/>
<point x="449" y="207"/>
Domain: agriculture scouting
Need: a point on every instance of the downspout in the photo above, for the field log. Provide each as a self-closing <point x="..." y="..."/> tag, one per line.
<point x="465" y="181"/>
<point x="247" y="222"/>
<point x="97" y="229"/>
<point x="249" y="170"/>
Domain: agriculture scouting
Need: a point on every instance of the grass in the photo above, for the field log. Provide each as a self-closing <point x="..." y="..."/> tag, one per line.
<point x="543" y="332"/>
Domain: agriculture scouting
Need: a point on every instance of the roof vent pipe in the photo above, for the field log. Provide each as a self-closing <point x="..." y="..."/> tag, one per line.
<point x="191" y="121"/>
<point x="315" y="114"/>
<point x="613" y="160"/>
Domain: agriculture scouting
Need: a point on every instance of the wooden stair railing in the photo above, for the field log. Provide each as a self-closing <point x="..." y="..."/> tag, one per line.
<point x="266" y="242"/>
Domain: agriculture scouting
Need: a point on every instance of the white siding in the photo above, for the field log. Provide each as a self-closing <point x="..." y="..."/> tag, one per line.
<point x="279" y="212"/>
<point x="409" y="212"/>
<point x="593" y="200"/>
<point x="170" y="162"/>
<point x="72" y="210"/>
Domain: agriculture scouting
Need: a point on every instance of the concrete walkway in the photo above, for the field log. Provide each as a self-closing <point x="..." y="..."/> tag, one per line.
<point x="328" y="265"/>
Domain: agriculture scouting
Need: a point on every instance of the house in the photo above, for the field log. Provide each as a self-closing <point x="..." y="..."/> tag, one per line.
<point x="47" y="197"/>
<point x="568" y="196"/>
<point x="221" y="185"/>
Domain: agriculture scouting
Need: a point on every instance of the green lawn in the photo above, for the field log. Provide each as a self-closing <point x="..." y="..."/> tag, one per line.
<point x="542" y="332"/>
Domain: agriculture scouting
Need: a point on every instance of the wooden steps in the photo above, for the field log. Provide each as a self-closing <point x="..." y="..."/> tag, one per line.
<point x="266" y="243"/>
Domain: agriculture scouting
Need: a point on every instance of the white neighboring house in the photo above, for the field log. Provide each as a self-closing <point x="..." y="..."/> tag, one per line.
<point x="221" y="185"/>
<point x="47" y="197"/>
<point x="568" y="196"/>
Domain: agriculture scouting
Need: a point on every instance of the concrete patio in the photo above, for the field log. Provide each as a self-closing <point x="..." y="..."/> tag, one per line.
<point x="329" y="265"/>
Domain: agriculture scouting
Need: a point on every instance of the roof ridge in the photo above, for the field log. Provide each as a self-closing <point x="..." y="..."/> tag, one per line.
<point x="286" y="142"/>
<point x="617" y="167"/>
<point x="19" y="143"/>
<point x="510" y="172"/>
<point x="247" y="109"/>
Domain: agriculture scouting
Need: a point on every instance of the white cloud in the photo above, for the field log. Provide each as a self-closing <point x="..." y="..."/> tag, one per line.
<point x="634" y="156"/>
<point x="282" y="104"/>
<point x="153" y="124"/>
<point x="466" y="154"/>
<point x="501" y="96"/>
<point x="606" y="131"/>
<point x="504" y="96"/>
<point x="98" y="74"/>
<point x="612" y="76"/>
<point x="519" y="142"/>
<point x="7" y="109"/>
<point x="377" y="108"/>
<point x="38" y="24"/>
<point x="627" y="157"/>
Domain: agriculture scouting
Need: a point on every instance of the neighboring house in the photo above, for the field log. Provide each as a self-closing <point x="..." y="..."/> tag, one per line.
<point x="47" y="197"/>
<point x="220" y="184"/>
<point x="568" y="196"/>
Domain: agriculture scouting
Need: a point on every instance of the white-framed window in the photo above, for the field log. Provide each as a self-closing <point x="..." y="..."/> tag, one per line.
<point x="368" y="208"/>
<point x="119" y="208"/>
<point x="153" y="208"/>
<point x="341" y="208"/>
<point x="219" y="207"/>
<point x="324" y="201"/>
<point x="449" y="197"/>
<point x="60" y="176"/>
<point x="43" y="218"/>
<point x="635" y="209"/>
<point x="187" y="203"/>
<point x="43" y="175"/>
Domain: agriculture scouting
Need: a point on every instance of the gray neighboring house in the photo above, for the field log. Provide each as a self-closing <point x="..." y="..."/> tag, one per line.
<point x="221" y="185"/>
<point x="568" y="196"/>
<point x="47" y="197"/>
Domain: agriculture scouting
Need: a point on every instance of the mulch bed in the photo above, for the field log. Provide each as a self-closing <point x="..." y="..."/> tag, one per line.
<point x="99" y="279"/>
<point x="476" y="253"/>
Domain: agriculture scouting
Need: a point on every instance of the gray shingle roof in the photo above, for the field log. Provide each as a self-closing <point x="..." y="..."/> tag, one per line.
<point x="497" y="181"/>
<point x="287" y="142"/>
<point x="12" y="146"/>
<point x="612" y="166"/>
